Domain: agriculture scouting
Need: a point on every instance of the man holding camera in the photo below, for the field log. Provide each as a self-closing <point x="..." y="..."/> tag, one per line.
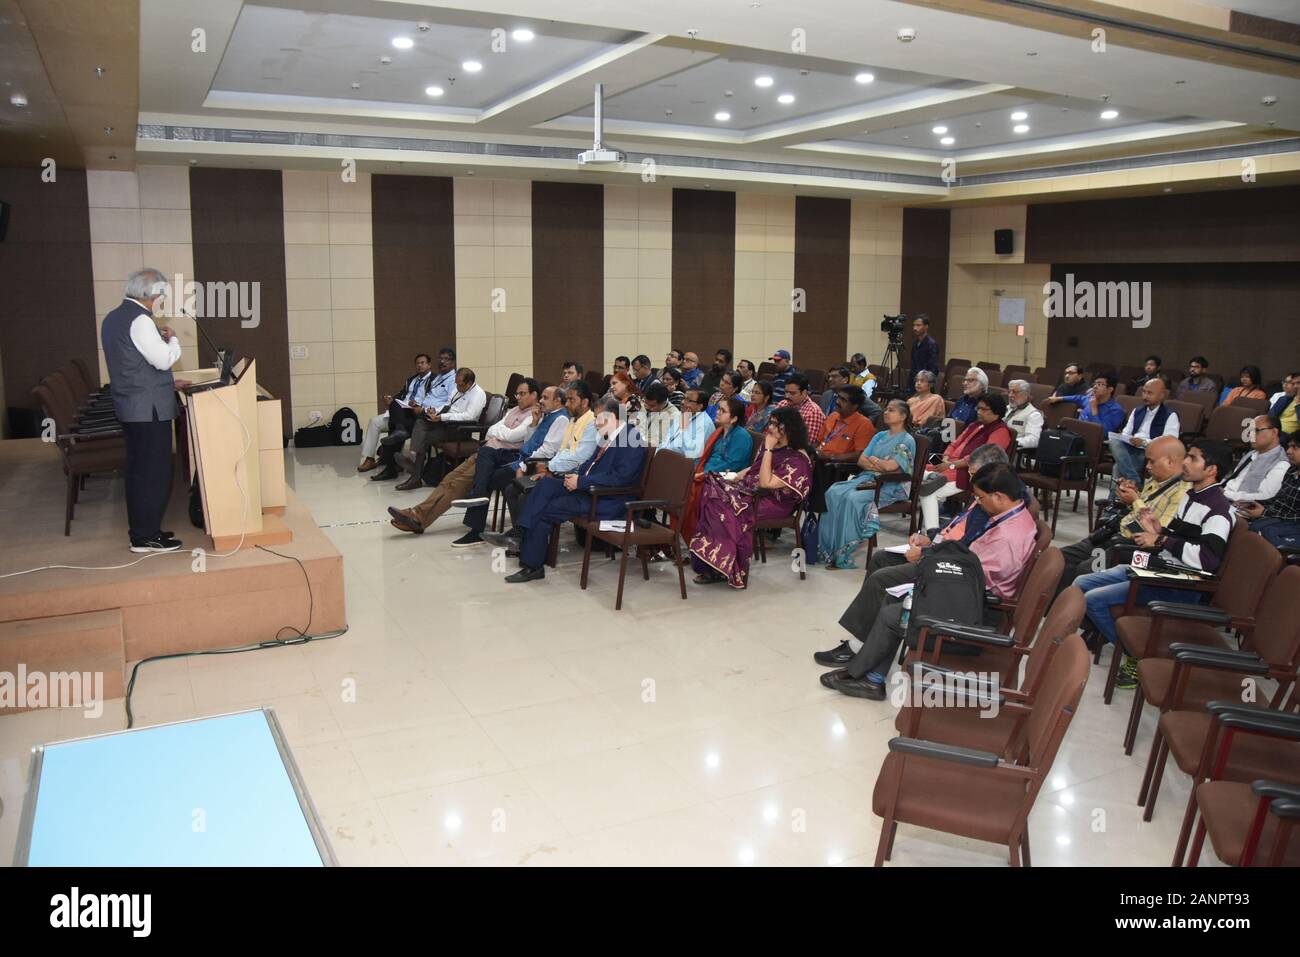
<point x="1112" y="541"/>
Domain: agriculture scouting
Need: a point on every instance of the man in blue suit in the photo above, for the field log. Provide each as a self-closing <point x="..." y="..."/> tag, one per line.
<point x="619" y="461"/>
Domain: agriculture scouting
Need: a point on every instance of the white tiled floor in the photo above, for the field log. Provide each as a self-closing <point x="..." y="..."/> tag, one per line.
<point x="531" y="725"/>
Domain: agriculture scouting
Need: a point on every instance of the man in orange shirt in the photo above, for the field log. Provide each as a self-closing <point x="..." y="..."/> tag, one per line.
<point x="847" y="434"/>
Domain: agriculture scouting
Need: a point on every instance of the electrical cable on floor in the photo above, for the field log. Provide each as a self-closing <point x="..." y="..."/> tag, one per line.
<point x="300" y="637"/>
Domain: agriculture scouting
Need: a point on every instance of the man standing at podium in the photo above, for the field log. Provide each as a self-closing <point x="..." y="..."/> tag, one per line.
<point x="140" y="356"/>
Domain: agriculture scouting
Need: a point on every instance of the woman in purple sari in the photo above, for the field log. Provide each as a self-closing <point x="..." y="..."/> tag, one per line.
<point x="728" y="509"/>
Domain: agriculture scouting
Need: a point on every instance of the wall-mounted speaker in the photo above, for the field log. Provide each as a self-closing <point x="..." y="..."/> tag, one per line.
<point x="1003" y="241"/>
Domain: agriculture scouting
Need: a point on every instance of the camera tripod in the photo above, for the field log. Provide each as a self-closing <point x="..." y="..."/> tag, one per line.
<point x="892" y="364"/>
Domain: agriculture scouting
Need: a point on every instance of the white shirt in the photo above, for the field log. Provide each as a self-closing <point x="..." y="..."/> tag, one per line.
<point x="1027" y="423"/>
<point x="465" y="407"/>
<point x="1171" y="424"/>
<point x="1268" y="488"/>
<point x="146" y="337"/>
<point x="554" y="439"/>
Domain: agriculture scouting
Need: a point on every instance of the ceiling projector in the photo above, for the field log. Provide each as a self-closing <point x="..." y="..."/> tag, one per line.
<point x="598" y="155"/>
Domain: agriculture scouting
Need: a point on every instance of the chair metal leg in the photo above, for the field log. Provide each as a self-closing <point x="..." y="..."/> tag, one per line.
<point x="798" y="544"/>
<point x="1134" y="718"/>
<point x="1056" y="508"/>
<point x="645" y="564"/>
<point x="681" y="571"/>
<point x="1116" y="654"/>
<point x="1024" y="844"/>
<point x="586" y="561"/>
<point x="622" y="574"/>
<point x="72" y="498"/>
<point x="1159" y="751"/>
<point x="885" y="847"/>
<point x="1189" y="816"/>
<point x="1198" y="840"/>
<point x="762" y="544"/>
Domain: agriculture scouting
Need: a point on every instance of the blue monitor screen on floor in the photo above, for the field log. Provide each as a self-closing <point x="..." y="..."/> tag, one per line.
<point x="206" y="793"/>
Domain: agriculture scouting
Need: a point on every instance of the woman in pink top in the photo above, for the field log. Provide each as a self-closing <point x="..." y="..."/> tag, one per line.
<point x="990" y="430"/>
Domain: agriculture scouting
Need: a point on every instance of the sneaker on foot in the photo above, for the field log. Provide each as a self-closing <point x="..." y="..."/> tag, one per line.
<point x="1127" y="679"/>
<point x="159" y="544"/>
<point x="470" y="502"/>
<point x="469" y="538"/>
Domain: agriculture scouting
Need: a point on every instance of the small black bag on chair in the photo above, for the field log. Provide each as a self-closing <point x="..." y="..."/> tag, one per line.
<point x="949" y="586"/>
<point x="1055" y="445"/>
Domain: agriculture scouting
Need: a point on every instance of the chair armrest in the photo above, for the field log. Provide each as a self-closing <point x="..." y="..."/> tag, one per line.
<point x="944" y="752"/>
<point x="599" y="491"/>
<point x="1245" y="714"/>
<point x="1229" y="656"/>
<point x="1189" y="612"/>
<point x="964" y="681"/>
<point x="896" y="476"/>
<point x="91" y="436"/>
<point x="977" y="634"/>
<point x="1286" y="808"/>
<point x="1276" y="790"/>
<point x="1194" y="655"/>
<point x="647" y="503"/>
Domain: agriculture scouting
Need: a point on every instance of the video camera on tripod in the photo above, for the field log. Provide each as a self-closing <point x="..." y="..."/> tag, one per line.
<point x="893" y="327"/>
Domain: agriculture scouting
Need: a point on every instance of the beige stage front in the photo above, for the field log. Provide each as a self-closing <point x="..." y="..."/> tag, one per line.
<point x="91" y="620"/>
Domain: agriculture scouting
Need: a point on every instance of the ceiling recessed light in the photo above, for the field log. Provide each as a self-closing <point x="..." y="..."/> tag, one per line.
<point x="785" y="98"/>
<point x="471" y="66"/>
<point x="100" y="71"/>
<point x="433" y="91"/>
<point x="403" y="43"/>
<point x="356" y="86"/>
<point x="1021" y="128"/>
<point x="722" y="116"/>
<point x="108" y="131"/>
<point x="864" y="78"/>
<point x="1019" y="115"/>
<point x="939" y="130"/>
<point x="947" y="141"/>
<point x="523" y="36"/>
<point x="763" y="81"/>
<point x="1109" y="114"/>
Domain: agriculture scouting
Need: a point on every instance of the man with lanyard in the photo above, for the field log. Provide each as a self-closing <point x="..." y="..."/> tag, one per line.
<point x="874" y="619"/>
<point x="432" y="392"/>
<point x="1196" y="538"/>
<point x="1285" y="406"/>
<point x="1097" y="404"/>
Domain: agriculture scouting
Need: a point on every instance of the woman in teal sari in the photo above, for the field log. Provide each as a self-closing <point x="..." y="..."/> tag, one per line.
<point x="850" y="518"/>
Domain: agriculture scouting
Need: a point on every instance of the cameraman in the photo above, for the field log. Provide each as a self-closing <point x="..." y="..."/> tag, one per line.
<point x="1163" y="493"/>
<point x="925" y="349"/>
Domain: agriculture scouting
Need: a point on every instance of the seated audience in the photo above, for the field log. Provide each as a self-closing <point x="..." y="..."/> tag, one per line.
<point x="691" y="371"/>
<point x="1278" y="518"/>
<point x="488" y="469"/>
<point x="621" y="364"/>
<point x="1073" y="382"/>
<point x="926" y="405"/>
<point x="728" y="509"/>
<point x="571" y="372"/>
<point x="848" y="432"/>
<point x="672" y="380"/>
<point x="784" y="370"/>
<point x="861" y="375"/>
<point x="1197" y="537"/>
<point x="851" y="516"/>
<point x="691" y="428"/>
<point x="728" y="386"/>
<point x="1023" y="418"/>
<point x="760" y="408"/>
<point x="952" y="475"/>
<point x="1150" y="369"/>
<point x="874" y="619"/>
<point x="836" y="379"/>
<point x="1258" y="476"/>
<point x="729" y="449"/>
<point x="708" y="383"/>
<point x="656" y="415"/>
<point x="1196" y="381"/>
<point x="619" y="460"/>
<point x="1162" y="493"/>
<point x="799" y="398"/>
<point x="1249" y="387"/>
<point x="431" y="394"/>
<point x="1097" y="404"/>
<point x="434" y="428"/>
<point x="397" y="407"/>
<point x="624" y="391"/>
<point x="1286" y="404"/>
<point x="747" y="380"/>
<point x="1148" y="421"/>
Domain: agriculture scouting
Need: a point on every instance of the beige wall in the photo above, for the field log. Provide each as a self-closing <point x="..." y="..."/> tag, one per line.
<point x="875" y="274"/>
<point x="975" y="276"/>
<point x="138" y="219"/>
<point x="494" y="251"/>
<point x="764" y="275"/>
<point x="638" y="273"/>
<point x="329" y="270"/>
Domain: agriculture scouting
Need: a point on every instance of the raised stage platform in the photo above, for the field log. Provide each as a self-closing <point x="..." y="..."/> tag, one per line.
<point x="66" y="620"/>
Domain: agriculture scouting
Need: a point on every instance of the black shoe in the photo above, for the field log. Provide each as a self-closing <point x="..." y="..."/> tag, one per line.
<point x="387" y="475"/>
<point x="469" y="538"/>
<point x="845" y="683"/>
<point x="512" y="553"/>
<point x="526" y="574"/>
<point x="836" y="657"/>
<point x="405" y="521"/>
<point x="411" y="484"/>
<point x="503" y="539"/>
<point x="158" y="544"/>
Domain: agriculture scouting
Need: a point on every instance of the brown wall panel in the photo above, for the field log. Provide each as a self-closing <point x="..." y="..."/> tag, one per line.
<point x="1254" y="224"/>
<point x="47" y="312"/>
<point x="568" y="277"/>
<point x="704" y="272"/>
<point x="237" y="221"/>
<point x="821" y="270"/>
<point x="415" y="273"/>
<point x="924" y="280"/>
<point x="1234" y="314"/>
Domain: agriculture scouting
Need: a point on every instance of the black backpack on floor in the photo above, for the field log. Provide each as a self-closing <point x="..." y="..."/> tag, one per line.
<point x="1055" y="445"/>
<point x="949" y="586"/>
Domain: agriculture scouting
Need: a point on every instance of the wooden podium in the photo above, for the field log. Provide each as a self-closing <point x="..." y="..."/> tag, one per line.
<point x="236" y="451"/>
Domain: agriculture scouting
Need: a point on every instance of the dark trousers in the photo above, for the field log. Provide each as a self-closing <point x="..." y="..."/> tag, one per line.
<point x="873" y="616"/>
<point x="1277" y="532"/>
<point x="490" y="462"/>
<point x="148" y="475"/>
<point x="548" y="505"/>
<point x="1079" y="558"/>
